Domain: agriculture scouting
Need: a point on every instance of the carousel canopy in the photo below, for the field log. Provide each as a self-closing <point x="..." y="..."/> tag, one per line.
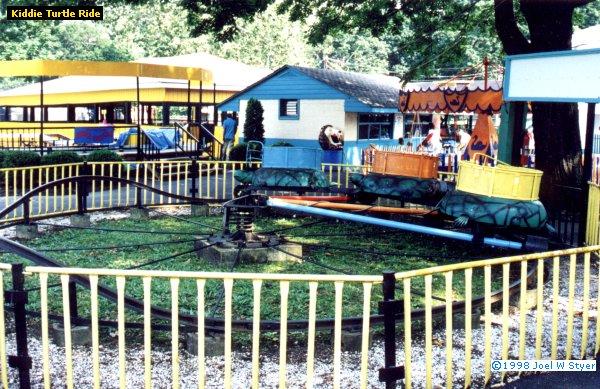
<point x="451" y="97"/>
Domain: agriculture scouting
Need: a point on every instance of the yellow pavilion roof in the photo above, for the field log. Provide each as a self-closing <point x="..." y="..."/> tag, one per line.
<point x="160" y="80"/>
<point x="43" y="67"/>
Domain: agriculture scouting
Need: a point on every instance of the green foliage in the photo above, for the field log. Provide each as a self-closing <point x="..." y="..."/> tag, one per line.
<point x="587" y="16"/>
<point x="282" y="144"/>
<point x="422" y="40"/>
<point x="133" y="27"/>
<point x="225" y="26"/>
<point x="11" y="159"/>
<point x="356" y="52"/>
<point x="48" y="39"/>
<point x="103" y="156"/>
<point x="413" y="38"/>
<point x="238" y="152"/>
<point x="253" y="126"/>
<point x="85" y="41"/>
<point x="61" y="157"/>
<point x="269" y="40"/>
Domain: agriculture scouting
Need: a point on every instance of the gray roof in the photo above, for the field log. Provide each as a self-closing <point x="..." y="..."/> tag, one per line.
<point x="373" y="90"/>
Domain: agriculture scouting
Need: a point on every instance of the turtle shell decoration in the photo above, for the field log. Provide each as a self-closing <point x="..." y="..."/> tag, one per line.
<point x="497" y="211"/>
<point x="495" y="193"/>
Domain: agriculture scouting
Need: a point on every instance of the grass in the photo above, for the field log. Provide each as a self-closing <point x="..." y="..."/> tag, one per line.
<point x="348" y="247"/>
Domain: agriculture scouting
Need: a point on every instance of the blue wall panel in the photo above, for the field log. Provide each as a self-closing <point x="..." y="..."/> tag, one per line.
<point x="352" y="149"/>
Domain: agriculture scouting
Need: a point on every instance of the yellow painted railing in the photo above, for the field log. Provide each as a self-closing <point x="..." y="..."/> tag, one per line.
<point x="215" y="180"/>
<point x="592" y="232"/>
<point x="572" y="267"/>
<point x="552" y="319"/>
<point x="124" y="277"/>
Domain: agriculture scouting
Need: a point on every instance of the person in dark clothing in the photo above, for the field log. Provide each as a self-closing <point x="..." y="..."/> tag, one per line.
<point x="229" y="127"/>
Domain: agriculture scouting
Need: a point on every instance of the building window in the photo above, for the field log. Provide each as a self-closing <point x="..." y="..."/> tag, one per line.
<point x="16" y="114"/>
<point x="289" y="109"/>
<point x="375" y="126"/>
<point x="85" y="114"/>
<point x="56" y="114"/>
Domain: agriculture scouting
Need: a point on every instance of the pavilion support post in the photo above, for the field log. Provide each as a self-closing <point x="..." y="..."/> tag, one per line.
<point x="588" y="162"/>
<point x="189" y="102"/>
<point x="139" y="120"/>
<point x="166" y="114"/>
<point x="216" y="118"/>
<point x="42" y="116"/>
<point x="200" y="101"/>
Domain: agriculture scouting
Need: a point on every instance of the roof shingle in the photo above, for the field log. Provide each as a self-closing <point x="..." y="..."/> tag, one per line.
<point x="372" y="90"/>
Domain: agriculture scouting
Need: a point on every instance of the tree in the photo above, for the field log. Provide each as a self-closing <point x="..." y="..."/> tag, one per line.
<point x="135" y="28"/>
<point x="358" y="52"/>
<point x="433" y="32"/>
<point x="556" y="125"/>
<point x="69" y="40"/>
<point x="253" y="126"/>
<point x="269" y="40"/>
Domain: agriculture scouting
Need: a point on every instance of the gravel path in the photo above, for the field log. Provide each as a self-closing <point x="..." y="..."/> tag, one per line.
<point x="296" y="368"/>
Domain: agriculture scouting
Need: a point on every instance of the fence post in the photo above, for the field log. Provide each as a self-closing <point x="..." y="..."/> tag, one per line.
<point x="82" y="192"/>
<point x="388" y="307"/>
<point x="194" y="176"/>
<point x="26" y="212"/>
<point x="73" y="300"/>
<point x="138" y="198"/>
<point x="18" y="298"/>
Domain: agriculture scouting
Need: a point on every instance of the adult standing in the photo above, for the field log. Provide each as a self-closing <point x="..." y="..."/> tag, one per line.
<point x="229" y="127"/>
<point x="528" y="149"/>
<point x="433" y="141"/>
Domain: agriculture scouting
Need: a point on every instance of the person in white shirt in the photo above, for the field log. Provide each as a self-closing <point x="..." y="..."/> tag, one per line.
<point x="433" y="141"/>
<point x="463" y="141"/>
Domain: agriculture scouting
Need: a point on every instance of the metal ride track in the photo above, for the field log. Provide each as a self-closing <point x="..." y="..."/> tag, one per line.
<point x="211" y="323"/>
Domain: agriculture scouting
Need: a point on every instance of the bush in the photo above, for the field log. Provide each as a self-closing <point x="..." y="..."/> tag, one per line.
<point x="282" y="144"/>
<point x="254" y="128"/>
<point x="61" y="157"/>
<point x="238" y="152"/>
<point x="11" y="159"/>
<point x="106" y="156"/>
<point x="103" y="156"/>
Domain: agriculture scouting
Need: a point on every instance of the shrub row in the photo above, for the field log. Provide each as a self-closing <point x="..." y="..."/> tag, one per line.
<point x="14" y="159"/>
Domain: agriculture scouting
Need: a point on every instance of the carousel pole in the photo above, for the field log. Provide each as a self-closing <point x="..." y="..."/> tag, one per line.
<point x="485" y="67"/>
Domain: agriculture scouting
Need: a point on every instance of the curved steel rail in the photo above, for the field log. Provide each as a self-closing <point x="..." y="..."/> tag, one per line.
<point x="83" y="181"/>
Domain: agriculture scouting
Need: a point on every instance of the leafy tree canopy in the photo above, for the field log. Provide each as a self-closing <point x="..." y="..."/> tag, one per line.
<point x="421" y="36"/>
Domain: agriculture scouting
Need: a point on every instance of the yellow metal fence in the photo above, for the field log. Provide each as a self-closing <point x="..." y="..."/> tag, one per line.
<point x="551" y="320"/>
<point x="212" y="179"/>
<point x="592" y="236"/>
